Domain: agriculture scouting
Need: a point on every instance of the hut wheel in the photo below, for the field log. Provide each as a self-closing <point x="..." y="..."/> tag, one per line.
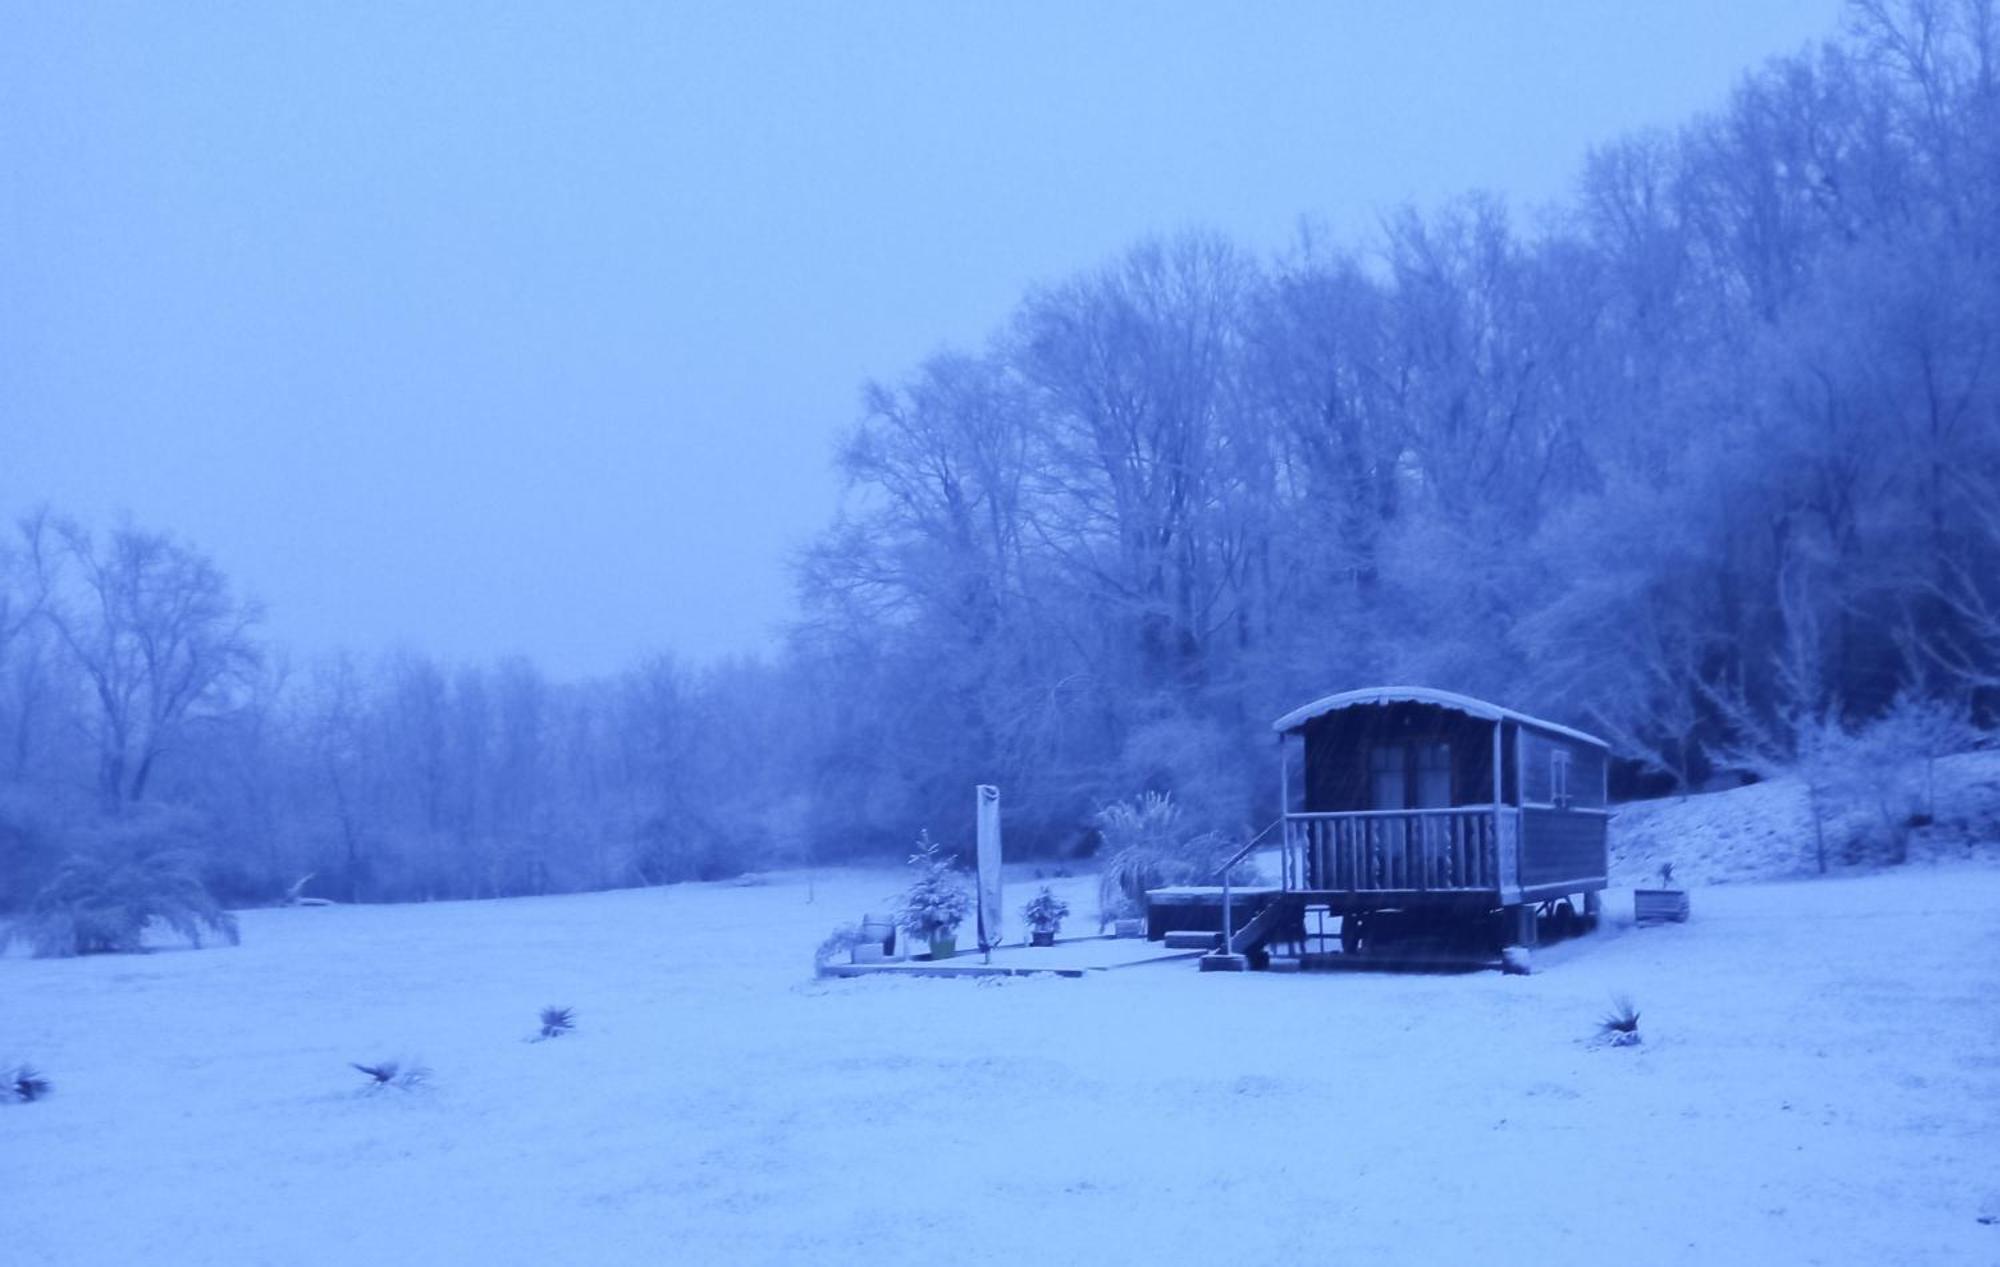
<point x="1563" y="922"/>
<point x="1353" y="931"/>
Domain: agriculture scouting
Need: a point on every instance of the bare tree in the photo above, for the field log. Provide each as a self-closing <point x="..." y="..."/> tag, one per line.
<point x="1135" y="372"/>
<point x="1797" y="730"/>
<point x="336" y="741"/>
<point x="154" y="629"/>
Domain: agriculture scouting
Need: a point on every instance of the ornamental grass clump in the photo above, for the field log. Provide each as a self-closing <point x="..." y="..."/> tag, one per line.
<point x="104" y="897"/>
<point x="1147" y="845"/>
<point x="840" y="941"/>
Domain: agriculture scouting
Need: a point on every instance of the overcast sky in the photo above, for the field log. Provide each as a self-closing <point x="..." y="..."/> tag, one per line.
<point x="486" y="329"/>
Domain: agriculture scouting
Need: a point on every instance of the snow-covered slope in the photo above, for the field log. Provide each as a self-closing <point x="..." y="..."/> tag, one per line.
<point x="1765" y="831"/>
<point x="1819" y="1082"/>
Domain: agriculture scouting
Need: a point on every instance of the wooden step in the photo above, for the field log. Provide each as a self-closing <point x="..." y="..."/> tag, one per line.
<point x="1282" y="911"/>
<point x="1192" y="939"/>
<point x="1216" y="961"/>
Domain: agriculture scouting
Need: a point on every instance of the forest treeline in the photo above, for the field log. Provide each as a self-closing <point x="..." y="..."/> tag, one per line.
<point x="1705" y="459"/>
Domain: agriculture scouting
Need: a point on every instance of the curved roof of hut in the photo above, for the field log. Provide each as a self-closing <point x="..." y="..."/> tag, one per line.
<point x="1457" y="703"/>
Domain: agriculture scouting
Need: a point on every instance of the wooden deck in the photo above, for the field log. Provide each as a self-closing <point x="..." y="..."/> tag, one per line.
<point x="949" y="968"/>
<point x="1198" y="907"/>
<point x="1069" y="957"/>
<point x="1412" y="960"/>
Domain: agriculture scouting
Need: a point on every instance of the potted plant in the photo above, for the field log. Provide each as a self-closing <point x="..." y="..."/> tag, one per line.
<point x="1124" y="916"/>
<point x="1045" y="916"/>
<point x="880" y="931"/>
<point x="1666" y="903"/>
<point x="936" y="903"/>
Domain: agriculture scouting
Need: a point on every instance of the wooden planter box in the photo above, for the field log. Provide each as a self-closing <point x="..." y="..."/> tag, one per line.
<point x="1660" y="906"/>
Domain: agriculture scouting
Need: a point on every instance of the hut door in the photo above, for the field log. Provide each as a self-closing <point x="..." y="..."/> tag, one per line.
<point x="1434" y="792"/>
<point x="1388" y="838"/>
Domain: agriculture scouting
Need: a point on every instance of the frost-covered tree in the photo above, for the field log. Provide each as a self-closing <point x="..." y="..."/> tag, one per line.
<point x="161" y="642"/>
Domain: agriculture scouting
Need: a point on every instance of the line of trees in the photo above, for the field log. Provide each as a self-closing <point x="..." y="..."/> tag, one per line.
<point x="1706" y="459"/>
<point x="138" y="705"/>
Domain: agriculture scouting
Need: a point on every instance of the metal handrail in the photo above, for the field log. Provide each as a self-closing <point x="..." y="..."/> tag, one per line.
<point x="1222" y="872"/>
<point x="1228" y="906"/>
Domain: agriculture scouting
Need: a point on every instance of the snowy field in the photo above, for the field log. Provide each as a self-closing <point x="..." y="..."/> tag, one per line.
<point x="1819" y="1083"/>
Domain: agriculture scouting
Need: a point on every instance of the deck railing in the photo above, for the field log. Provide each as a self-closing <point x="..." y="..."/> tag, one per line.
<point x="1406" y="850"/>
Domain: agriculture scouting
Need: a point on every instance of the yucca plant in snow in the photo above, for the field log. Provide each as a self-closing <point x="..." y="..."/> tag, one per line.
<point x="24" y="1083"/>
<point x="392" y="1073"/>
<point x="557" y="1021"/>
<point x="1621" y="1024"/>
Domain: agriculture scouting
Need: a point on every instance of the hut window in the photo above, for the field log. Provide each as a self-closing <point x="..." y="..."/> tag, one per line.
<point x="1386" y="782"/>
<point x="1433" y="775"/>
<point x="1559" y="778"/>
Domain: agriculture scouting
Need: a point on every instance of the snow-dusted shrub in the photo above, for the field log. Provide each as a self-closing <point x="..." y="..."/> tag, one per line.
<point x="104" y="896"/>
<point x="1147" y="846"/>
<point x="937" y="901"/>
<point x="838" y="942"/>
<point x="670" y="850"/>
<point x="23" y="1083"/>
<point x="1886" y="766"/>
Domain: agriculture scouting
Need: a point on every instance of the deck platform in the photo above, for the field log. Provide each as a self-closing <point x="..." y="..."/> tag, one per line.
<point x="950" y="968"/>
<point x="1198" y="907"/>
<point x="1069" y="957"/>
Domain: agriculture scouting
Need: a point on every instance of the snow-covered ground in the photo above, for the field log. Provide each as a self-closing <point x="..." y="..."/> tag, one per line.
<point x="1765" y="831"/>
<point x="1819" y="1082"/>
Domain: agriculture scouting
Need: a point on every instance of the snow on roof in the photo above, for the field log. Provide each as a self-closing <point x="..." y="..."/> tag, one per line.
<point x="1422" y="695"/>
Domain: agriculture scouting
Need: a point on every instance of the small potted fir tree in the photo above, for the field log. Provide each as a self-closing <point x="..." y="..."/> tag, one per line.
<point x="936" y="903"/>
<point x="1045" y="916"/>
